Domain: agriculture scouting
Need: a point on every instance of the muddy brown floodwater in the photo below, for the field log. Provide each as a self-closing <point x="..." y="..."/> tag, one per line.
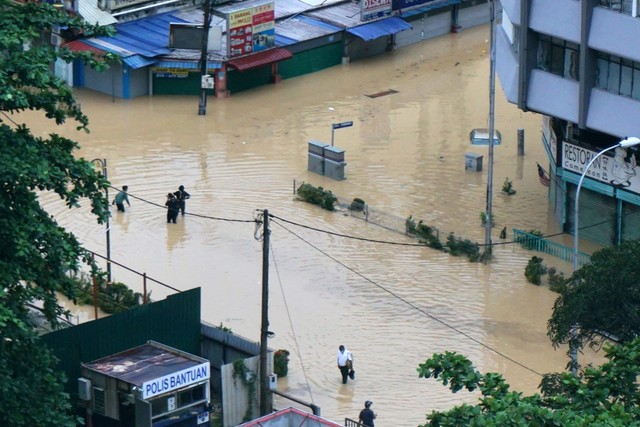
<point x="392" y="306"/>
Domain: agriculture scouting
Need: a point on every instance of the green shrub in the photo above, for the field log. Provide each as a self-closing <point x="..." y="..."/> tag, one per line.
<point x="281" y="363"/>
<point x="410" y="226"/>
<point x="534" y="270"/>
<point x="112" y="297"/>
<point x="357" y="205"/>
<point x="457" y="247"/>
<point x="507" y="187"/>
<point x="557" y="281"/>
<point x="317" y="196"/>
<point x="484" y="217"/>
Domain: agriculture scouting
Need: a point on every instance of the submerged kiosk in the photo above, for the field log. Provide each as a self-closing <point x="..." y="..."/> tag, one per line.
<point x="152" y="385"/>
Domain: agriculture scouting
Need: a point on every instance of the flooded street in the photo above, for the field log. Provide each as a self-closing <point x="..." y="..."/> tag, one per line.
<point x="392" y="306"/>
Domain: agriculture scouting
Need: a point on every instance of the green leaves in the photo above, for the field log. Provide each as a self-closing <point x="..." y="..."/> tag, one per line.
<point x="602" y="296"/>
<point x="36" y="253"/>
<point x="601" y="396"/>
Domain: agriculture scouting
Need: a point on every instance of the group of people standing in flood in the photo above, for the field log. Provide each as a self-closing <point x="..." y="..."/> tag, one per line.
<point x="176" y="203"/>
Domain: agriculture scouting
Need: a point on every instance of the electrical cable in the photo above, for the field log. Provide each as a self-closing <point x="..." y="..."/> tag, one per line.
<point x="410" y="304"/>
<point x="295" y="338"/>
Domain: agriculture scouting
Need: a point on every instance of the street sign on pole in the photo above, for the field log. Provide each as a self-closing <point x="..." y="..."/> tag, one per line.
<point x="342" y="125"/>
<point x="335" y="126"/>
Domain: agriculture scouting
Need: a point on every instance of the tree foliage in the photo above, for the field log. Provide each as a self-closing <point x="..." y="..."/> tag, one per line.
<point x="599" y="396"/>
<point x="36" y="253"/>
<point x="602" y="296"/>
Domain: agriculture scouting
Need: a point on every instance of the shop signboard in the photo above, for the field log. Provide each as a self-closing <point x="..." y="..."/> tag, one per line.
<point x="251" y="30"/>
<point x="619" y="170"/>
<point x="264" y="27"/>
<point x="405" y="4"/>
<point x="374" y="9"/>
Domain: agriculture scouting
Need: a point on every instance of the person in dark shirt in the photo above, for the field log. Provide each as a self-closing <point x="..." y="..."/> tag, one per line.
<point x="181" y="196"/>
<point x="120" y="198"/>
<point x="367" y="415"/>
<point x="173" y="207"/>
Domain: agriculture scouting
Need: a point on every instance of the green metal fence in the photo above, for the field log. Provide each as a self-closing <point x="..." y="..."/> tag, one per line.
<point x="540" y="244"/>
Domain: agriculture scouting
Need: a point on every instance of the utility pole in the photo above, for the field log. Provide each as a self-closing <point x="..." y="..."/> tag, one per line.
<point x="264" y="329"/>
<point x="103" y="163"/>
<point x="492" y="95"/>
<point x="204" y="57"/>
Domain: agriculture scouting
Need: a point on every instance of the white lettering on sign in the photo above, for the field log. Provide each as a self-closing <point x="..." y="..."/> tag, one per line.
<point x="175" y="380"/>
<point x="370" y="4"/>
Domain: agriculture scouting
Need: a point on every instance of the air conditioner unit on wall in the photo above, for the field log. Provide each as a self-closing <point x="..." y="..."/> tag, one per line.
<point x="56" y="40"/>
<point x="84" y="388"/>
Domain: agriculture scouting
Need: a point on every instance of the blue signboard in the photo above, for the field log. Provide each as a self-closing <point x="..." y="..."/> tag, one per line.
<point x="404" y="4"/>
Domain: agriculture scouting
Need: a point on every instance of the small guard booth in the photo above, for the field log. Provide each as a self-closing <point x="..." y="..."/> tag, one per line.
<point x="153" y="385"/>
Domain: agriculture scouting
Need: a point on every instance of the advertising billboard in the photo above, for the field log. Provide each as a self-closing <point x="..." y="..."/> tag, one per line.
<point x="251" y="30"/>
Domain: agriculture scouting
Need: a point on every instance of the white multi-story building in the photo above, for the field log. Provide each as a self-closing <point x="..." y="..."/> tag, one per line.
<point x="577" y="62"/>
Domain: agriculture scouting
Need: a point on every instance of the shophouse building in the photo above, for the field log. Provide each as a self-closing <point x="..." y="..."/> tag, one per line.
<point x="577" y="63"/>
<point x="252" y="42"/>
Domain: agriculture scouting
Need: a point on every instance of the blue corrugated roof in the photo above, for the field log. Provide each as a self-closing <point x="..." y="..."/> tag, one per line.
<point x="384" y="27"/>
<point x="138" y="61"/>
<point x="421" y="10"/>
<point x="319" y="23"/>
<point x="284" y="41"/>
<point x="147" y="37"/>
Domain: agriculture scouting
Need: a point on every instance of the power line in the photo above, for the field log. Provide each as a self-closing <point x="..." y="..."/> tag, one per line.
<point x="186" y="213"/>
<point x="295" y="338"/>
<point x="410" y="303"/>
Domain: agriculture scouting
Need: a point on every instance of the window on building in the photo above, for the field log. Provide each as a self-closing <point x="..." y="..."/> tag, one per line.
<point x="618" y="75"/>
<point x="622" y="6"/>
<point x="558" y="56"/>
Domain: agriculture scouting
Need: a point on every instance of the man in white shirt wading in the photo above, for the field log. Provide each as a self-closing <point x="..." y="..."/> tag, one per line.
<point x="345" y="362"/>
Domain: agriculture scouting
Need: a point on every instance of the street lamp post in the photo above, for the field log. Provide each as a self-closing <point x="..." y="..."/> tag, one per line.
<point x="103" y="164"/>
<point x="492" y="95"/>
<point x="625" y="143"/>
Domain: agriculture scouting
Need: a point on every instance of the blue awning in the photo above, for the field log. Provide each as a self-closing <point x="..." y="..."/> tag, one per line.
<point x="377" y="29"/>
<point x="430" y="6"/>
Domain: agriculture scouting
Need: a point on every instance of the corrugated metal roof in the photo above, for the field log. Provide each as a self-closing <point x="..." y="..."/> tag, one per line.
<point x="138" y="61"/>
<point x="377" y="29"/>
<point x="91" y="13"/>
<point x="148" y="36"/>
<point x="302" y="28"/>
<point x="431" y="6"/>
<point x="345" y="15"/>
<point x="283" y="8"/>
<point x="80" y="46"/>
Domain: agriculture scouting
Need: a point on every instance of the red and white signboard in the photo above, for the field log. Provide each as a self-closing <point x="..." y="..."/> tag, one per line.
<point x="251" y="30"/>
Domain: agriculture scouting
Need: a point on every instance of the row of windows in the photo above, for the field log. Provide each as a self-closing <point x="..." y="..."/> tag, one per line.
<point x="613" y="74"/>
<point x="618" y="75"/>
<point x="622" y="6"/>
<point x="558" y="56"/>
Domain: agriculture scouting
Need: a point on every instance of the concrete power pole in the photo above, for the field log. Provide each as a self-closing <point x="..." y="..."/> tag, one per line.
<point x="204" y="57"/>
<point x="264" y="329"/>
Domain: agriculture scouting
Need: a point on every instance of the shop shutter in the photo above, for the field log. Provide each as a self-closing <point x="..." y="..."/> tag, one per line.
<point x="630" y="221"/>
<point x="597" y="216"/>
<point x="310" y="61"/>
